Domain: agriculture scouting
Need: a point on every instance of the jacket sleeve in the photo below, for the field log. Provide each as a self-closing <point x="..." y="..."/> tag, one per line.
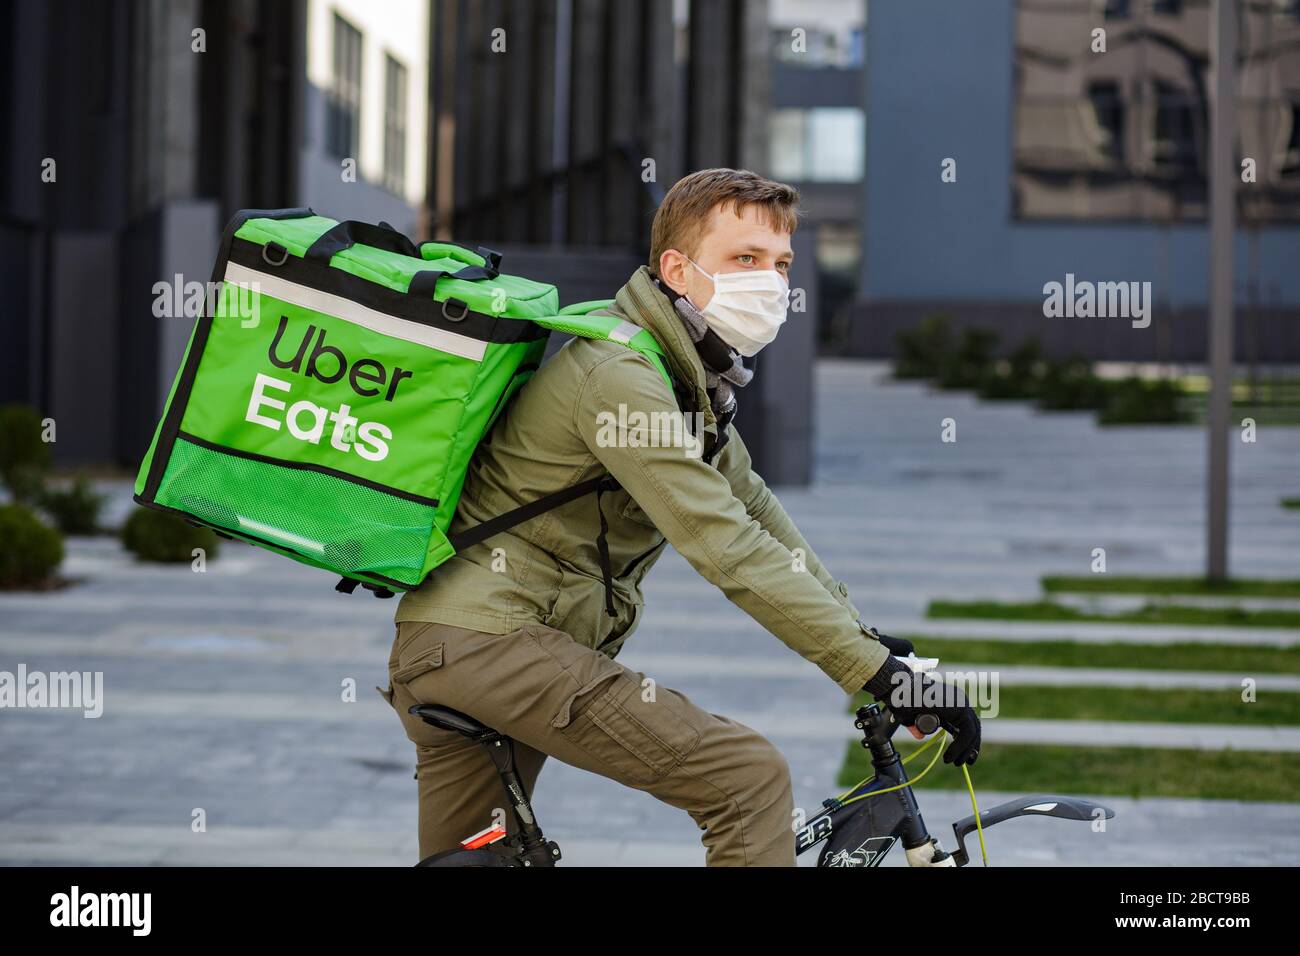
<point x="764" y="507"/>
<point x="626" y="415"/>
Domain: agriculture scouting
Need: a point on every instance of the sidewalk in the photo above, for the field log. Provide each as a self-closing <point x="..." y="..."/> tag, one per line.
<point x="223" y="689"/>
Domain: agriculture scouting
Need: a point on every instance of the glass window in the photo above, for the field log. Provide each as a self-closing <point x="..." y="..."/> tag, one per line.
<point x="821" y="144"/>
<point x="1124" y="134"/>
<point x="343" y="101"/>
<point x="394" y="125"/>
<point x="830" y="32"/>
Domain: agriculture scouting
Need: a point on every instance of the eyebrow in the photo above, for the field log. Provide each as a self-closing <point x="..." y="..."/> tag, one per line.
<point x="750" y="250"/>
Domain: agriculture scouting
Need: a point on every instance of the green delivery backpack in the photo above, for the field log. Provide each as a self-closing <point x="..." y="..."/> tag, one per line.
<point x="332" y="394"/>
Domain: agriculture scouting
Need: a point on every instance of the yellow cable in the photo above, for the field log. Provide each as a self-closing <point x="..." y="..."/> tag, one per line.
<point x="865" y="780"/>
<point x="979" y="827"/>
<point x="970" y="788"/>
<point x="916" y="779"/>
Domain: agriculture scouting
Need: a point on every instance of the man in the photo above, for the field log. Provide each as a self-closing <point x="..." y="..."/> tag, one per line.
<point x="520" y="631"/>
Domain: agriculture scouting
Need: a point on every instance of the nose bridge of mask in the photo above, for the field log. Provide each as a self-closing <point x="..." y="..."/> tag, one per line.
<point x="745" y="280"/>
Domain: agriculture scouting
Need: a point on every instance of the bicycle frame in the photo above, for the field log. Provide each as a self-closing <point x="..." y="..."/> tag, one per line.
<point x="860" y="830"/>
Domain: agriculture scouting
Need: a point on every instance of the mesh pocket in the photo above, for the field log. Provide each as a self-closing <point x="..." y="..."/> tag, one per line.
<point x="330" y="521"/>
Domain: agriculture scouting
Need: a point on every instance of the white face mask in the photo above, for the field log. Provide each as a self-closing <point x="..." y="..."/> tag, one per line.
<point x="748" y="307"/>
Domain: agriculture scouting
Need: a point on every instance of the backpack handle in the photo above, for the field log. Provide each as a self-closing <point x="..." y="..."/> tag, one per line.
<point x="449" y="250"/>
<point x="346" y="234"/>
<point x="425" y="282"/>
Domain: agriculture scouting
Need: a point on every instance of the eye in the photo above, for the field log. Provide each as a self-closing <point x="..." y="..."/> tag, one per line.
<point x="783" y="266"/>
<point x="746" y="259"/>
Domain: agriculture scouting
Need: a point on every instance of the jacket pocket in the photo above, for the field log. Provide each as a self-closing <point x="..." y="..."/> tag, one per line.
<point x="421" y="662"/>
<point x="631" y="740"/>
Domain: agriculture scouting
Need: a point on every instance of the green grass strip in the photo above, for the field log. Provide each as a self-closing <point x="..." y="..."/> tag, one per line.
<point x="1149" y="614"/>
<point x="1165" y="705"/>
<point x="1293" y="503"/>
<point x="1244" y="659"/>
<point x="1131" y="584"/>
<point x="1115" y="771"/>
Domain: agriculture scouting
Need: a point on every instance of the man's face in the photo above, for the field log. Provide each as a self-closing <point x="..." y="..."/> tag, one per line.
<point x="731" y="243"/>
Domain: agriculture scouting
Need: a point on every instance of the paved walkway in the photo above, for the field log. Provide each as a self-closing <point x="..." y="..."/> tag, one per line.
<point x="223" y="689"/>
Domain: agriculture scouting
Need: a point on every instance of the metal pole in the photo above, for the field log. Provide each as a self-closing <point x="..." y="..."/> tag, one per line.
<point x="1222" y="175"/>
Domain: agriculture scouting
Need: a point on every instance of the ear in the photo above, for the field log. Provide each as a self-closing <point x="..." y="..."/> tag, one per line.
<point x="672" y="270"/>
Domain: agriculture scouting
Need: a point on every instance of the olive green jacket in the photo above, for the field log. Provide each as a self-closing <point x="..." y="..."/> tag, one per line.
<point x="578" y="418"/>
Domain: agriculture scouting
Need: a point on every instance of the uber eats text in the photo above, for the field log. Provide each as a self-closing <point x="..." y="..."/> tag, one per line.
<point x="304" y="419"/>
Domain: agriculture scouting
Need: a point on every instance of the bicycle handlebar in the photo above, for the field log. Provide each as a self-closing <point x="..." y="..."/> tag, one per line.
<point x="927" y="723"/>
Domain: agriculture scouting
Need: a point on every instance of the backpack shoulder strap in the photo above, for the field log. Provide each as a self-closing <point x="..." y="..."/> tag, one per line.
<point x="585" y="320"/>
<point x="588" y="320"/>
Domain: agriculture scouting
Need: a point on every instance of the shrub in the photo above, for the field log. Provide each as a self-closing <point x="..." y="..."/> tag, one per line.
<point x="1135" y="402"/>
<point x="971" y="362"/>
<point x="75" y="509"/>
<point x="1071" y="386"/>
<point x="164" y="537"/>
<point x="30" y="550"/>
<point x="923" y="351"/>
<point x="24" y="456"/>
<point x="1020" y="376"/>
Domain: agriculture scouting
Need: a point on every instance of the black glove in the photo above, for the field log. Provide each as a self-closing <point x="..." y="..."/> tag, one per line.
<point x="910" y="695"/>
<point x="898" y="646"/>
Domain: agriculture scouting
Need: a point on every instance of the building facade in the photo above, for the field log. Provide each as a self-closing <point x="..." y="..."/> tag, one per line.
<point x="1071" y="161"/>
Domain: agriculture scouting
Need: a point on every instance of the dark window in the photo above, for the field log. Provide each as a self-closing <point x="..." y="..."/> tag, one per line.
<point x="394" y="125"/>
<point x="1290" y="164"/>
<point x="1108" y="109"/>
<point x="1175" y="140"/>
<point x="343" y="101"/>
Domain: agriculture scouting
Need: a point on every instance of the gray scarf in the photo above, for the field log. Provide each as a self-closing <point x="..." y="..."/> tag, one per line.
<point x="720" y="385"/>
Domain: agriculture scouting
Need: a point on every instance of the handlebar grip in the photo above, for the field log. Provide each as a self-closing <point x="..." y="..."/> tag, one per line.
<point x="927" y="724"/>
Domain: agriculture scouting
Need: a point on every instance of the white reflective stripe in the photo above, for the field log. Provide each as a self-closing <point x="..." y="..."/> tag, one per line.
<point x="356" y="313"/>
<point x="281" y="536"/>
<point x="623" y="332"/>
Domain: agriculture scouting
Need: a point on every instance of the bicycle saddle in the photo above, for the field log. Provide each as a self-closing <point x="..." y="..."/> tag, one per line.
<point x="449" y="719"/>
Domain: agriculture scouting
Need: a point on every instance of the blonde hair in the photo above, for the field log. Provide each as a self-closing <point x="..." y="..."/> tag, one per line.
<point x="683" y="216"/>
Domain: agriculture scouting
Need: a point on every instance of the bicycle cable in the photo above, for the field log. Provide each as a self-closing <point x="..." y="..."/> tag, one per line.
<point x="942" y="736"/>
<point x="979" y="827"/>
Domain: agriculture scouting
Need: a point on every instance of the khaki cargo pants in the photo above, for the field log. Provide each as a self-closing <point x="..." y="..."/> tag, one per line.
<point x="556" y="697"/>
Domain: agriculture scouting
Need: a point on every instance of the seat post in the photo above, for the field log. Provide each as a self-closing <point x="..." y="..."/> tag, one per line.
<point x="534" y="849"/>
<point x="533" y="846"/>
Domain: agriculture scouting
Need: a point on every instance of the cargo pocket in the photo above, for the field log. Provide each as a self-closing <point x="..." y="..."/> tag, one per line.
<point x="421" y="662"/>
<point x="630" y="740"/>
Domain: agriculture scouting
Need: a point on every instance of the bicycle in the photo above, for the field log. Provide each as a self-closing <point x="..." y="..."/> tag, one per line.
<point x="858" y="828"/>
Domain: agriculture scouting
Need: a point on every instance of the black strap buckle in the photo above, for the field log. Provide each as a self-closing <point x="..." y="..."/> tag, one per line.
<point x="491" y="261"/>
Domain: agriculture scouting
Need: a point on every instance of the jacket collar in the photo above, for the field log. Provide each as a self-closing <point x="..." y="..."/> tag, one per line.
<point x="640" y="301"/>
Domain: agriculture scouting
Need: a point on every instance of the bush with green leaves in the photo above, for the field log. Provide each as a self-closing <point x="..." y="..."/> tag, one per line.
<point x="24" y="453"/>
<point x="923" y="351"/>
<point x="163" y="537"/>
<point x="1134" y="401"/>
<point x="30" y="550"/>
<point x="75" y="508"/>
<point x="971" y="362"/>
<point x="1018" y="376"/>
<point x="1071" y="385"/>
